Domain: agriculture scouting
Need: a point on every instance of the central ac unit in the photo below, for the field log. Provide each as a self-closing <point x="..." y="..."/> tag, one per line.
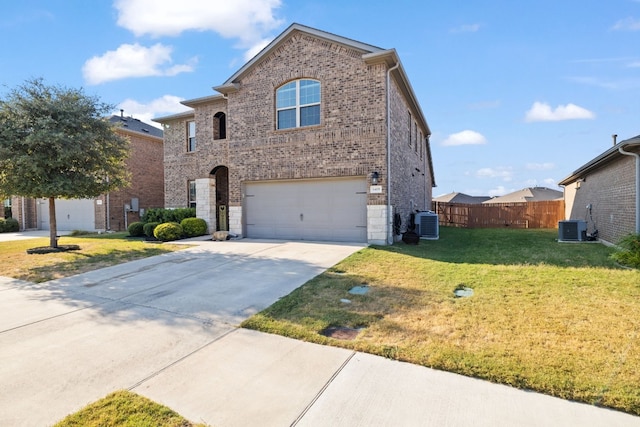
<point x="427" y="225"/>
<point x="573" y="230"/>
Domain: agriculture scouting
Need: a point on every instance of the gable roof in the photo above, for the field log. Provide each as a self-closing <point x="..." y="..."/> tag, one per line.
<point x="460" y="198"/>
<point x="532" y="194"/>
<point x="363" y="47"/>
<point x="610" y="155"/>
<point x="135" y="125"/>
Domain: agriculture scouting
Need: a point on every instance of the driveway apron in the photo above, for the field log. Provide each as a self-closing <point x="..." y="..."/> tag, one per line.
<point x="68" y="342"/>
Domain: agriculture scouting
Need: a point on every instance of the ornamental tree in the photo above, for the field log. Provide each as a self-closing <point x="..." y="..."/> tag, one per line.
<point x="56" y="143"/>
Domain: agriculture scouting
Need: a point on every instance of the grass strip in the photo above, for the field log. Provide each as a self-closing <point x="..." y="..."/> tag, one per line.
<point x="556" y="318"/>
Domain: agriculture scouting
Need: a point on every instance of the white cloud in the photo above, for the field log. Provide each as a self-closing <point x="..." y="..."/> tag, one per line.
<point x="466" y="28"/>
<point x="540" y="166"/>
<point x="504" y="173"/>
<point x="542" y="112"/>
<point x="466" y="137"/>
<point x="627" y="24"/>
<point x="499" y="191"/>
<point x="549" y="182"/>
<point x="246" y="20"/>
<point x="132" y="60"/>
<point x="166" y="105"/>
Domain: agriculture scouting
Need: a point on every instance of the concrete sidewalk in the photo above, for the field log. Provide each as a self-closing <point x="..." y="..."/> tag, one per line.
<point x="166" y="327"/>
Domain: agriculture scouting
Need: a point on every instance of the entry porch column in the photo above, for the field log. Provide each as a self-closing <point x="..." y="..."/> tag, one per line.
<point x="206" y="202"/>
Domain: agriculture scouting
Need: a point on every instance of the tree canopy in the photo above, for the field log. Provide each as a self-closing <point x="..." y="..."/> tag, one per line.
<point x="56" y="143"/>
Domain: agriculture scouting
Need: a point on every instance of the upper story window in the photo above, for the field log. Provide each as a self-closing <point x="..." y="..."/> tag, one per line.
<point x="220" y="126"/>
<point x="191" y="136"/>
<point x="298" y="104"/>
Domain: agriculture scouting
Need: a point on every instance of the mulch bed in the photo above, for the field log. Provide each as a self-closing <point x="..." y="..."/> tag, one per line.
<point x="50" y="249"/>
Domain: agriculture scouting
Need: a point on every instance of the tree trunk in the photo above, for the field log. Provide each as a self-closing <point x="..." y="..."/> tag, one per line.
<point x="53" y="238"/>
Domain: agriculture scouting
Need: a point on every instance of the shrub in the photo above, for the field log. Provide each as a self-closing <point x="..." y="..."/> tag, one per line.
<point x="135" y="229"/>
<point x="149" y="227"/>
<point x="168" y="231"/>
<point x="161" y="215"/>
<point x="7" y="212"/>
<point x="9" y="225"/>
<point x="629" y="254"/>
<point x="193" y="227"/>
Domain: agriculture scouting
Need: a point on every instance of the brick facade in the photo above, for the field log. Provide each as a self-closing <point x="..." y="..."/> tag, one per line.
<point x="350" y="141"/>
<point x="610" y="192"/>
<point x="145" y="164"/>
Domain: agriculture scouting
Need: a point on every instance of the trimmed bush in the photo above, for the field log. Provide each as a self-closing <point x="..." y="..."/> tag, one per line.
<point x="135" y="229"/>
<point x="149" y="227"/>
<point x="168" y="231"/>
<point x="9" y="225"/>
<point x="193" y="227"/>
<point x="161" y="215"/>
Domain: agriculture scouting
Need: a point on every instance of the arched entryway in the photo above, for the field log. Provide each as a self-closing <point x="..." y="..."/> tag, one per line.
<point x="221" y="176"/>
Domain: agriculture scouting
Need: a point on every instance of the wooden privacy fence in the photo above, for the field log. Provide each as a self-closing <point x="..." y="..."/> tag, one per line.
<point x="496" y="215"/>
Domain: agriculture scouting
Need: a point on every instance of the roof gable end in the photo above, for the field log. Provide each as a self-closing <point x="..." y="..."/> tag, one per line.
<point x="230" y="85"/>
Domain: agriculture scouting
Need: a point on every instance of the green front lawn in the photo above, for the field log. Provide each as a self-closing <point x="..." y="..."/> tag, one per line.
<point x="558" y="318"/>
<point x="125" y="409"/>
<point x="96" y="251"/>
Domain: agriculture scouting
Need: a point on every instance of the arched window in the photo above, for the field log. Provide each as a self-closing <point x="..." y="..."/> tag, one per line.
<point x="220" y="126"/>
<point x="298" y="104"/>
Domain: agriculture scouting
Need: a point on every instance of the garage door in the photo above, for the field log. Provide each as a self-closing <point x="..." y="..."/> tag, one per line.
<point x="326" y="210"/>
<point x="70" y="214"/>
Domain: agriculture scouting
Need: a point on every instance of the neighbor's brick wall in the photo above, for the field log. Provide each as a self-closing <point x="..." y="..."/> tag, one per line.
<point x="611" y="191"/>
<point x="28" y="219"/>
<point x="410" y="175"/>
<point x="145" y="164"/>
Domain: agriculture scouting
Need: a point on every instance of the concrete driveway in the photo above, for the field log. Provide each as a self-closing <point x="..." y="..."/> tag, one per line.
<point x="166" y="327"/>
<point x="68" y="342"/>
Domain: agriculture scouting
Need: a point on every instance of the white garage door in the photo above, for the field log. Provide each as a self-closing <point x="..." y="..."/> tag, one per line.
<point x="325" y="209"/>
<point x="70" y="214"/>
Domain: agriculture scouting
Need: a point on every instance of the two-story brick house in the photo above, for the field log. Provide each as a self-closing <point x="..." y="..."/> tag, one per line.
<point x="115" y="210"/>
<point x="318" y="137"/>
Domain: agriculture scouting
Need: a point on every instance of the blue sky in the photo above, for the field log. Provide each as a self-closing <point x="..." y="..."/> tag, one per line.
<point x="517" y="94"/>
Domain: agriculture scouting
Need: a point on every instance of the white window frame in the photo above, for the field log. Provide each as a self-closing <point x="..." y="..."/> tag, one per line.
<point x="191" y="136"/>
<point x="191" y="191"/>
<point x="298" y="105"/>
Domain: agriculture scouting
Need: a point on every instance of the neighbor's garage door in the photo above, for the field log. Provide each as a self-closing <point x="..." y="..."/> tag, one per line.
<point x="70" y="214"/>
<point x="326" y="209"/>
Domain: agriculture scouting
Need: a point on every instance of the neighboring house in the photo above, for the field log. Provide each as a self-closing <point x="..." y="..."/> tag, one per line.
<point x="604" y="191"/>
<point x="532" y="194"/>
<point x="318" y="137"/>
<point x="115" y="210"/>
<point x="460" y="198"/>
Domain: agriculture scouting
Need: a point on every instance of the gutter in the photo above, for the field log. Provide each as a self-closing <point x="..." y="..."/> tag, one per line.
<point x="637" y="156"/>
<point x="389" y="224"/>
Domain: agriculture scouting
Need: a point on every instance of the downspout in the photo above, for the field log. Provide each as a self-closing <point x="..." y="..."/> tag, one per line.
<point x="108" y="219"/>
<point x="637" y="156"/>
<point x="23" y="214"/>
<point x="389" y="224"/>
